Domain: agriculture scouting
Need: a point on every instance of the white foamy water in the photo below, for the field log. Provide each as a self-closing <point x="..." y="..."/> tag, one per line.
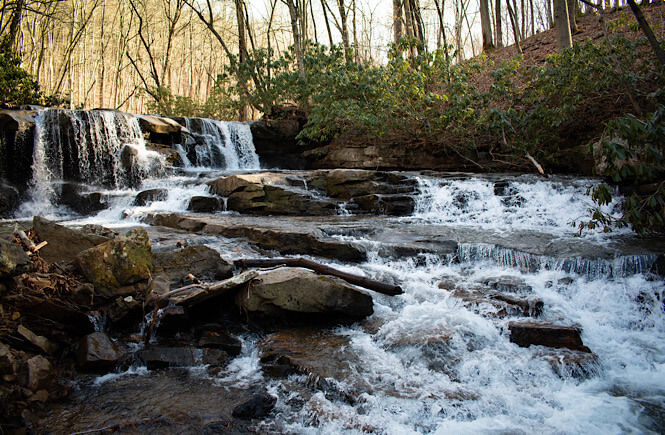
<point x="436" y="365"/>
<point x="521" y="203"/>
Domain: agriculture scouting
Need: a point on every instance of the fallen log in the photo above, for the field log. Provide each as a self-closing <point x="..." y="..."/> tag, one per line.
<point x="361" y="281"/>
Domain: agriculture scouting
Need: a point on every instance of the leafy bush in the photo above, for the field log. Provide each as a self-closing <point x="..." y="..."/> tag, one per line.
<point x="17" y="87"/>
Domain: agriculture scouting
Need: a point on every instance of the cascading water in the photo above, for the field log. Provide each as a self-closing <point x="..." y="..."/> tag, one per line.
<point x="100" y="148"/>
<point x="428" y="360"/>
<point x="220" y="145"/>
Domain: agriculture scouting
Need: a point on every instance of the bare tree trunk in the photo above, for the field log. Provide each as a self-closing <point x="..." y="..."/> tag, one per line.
<point x="397" y="21"/>
<point x="498" y="28"/>
<point x="297" y="42"/>
<point x="572" y="15"/>
<point x="242" y="50"/>
<point x="513" y="20"/>
<point x="345" y="29"/>
<point x="639" y="16"/>
<point x="485" y="25"/>
<point x="442" y="29"/>
<point x="564" y="39"/>
<point x="325" y="18"/>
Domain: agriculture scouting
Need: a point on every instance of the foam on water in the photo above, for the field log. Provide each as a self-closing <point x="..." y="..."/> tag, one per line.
<point x="434" y="365"/>
<point x="522" y="203"/>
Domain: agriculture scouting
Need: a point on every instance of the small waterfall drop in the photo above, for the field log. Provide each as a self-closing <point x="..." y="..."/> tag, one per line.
<point x="219" y="145"/>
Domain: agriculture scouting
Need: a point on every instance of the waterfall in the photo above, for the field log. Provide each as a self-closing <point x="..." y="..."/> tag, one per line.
<point x="219" y="145"/>
<point x="100" y="148"/>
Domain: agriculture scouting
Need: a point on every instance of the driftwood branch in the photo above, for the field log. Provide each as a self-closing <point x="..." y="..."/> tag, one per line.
<point x="361" y="281"/>
<point x="536" y="164"/>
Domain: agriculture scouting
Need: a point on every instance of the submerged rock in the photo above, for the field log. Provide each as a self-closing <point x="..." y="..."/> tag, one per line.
<point x="258" y="406"/>
<point x="524" y="334"/>
<point x="120" y="262"/>
<point x="157" y="357"/>
<point x="63" y="243"/>
<point x="288" y="294"/>
<point x="97" y="352"/>
<point x="223" y="341"/>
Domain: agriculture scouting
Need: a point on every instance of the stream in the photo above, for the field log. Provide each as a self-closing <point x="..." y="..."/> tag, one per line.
<point x="426" y="361"/>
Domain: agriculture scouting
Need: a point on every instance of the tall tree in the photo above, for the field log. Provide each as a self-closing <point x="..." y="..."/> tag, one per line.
<point x="563" y="36"/>
<point x="498" y="28"/>
<point x="486" y="25"/>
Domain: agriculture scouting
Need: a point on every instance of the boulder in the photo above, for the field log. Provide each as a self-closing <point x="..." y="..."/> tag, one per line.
<point x="201" y="261"/>
<point x="258" y="406"/>
<point x="157" y="357"/>
<point x="41" y="342"/>
<point x="157" y="124"/>
<point x="524" y="334"/>
<point x="36" y="373"/>
<point x="226" y="342"/>
<point x="125" y="314"/>
<point x="225" y="186"/>
<point x="347" y="183"/>
<point x="97" y="352"/>
<point x="63" y="243"/>
<point x="658" y="267"/>
<point x="148" y="196"/>
<point x="9" y="199"/>
<point x="6" y="361"/>
<point x="293" y="294"/>
<point x="119" y="262"/>
<point x="391" y="205"/>
<point x="73" y="196"/>
<point x="13" y="259"/>
<point x="204" y="204"/>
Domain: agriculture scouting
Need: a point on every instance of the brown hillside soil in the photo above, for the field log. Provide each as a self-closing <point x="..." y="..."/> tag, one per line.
<point x="584" y="127"/>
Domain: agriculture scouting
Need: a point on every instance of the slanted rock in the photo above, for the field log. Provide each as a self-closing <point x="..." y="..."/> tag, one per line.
<point x="291" y="293"/>
<point x="148" y="196"/>
<point x="13" y="259"/>
<point x="524" y="334"/>
<point x="97" y="352"/>
<point x="73" y="196"/>
<point x="41" y="342"/>
<point x="120" y="262"/>
<point x="63" y="243"/>
<point x="199" y="260"/>
<point x="36" y="373"/>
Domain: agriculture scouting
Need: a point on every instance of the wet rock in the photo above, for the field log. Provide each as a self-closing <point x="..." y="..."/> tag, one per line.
<point x="36" y="373"/>
<point x="120" y="262"/>
<point x="13" y="259"/>
<point x="204" y="204"/>
<point x="98" y="230"/>
<point x="63" y="243"/>
<point x="84" y="295"/>
<point x="36" y="306"/>
<point x="658" y="267"/>
<point x="509" y="284"/>
<point x="391" y="205"/>
<point x="97" y="352"/>
<point x="223" y="341"/>
<point x="125" y="313"/>
<point x="148" y="196"/>
<point x="574" y="363"/>
<point x="290" y="293"/>
<point x="158" y="124"/>
<point x="6" y="360"/>
<point x="84" y="203"/>
<point x="524" y="334"/>
<point x="9" y="199"/>
<point x="199" y="260"/>
<point x="171" y="320"/>
<point x="257" y="407"/>
<point x="42" y="343"/>
<point x="157" y="357"/>
<point x="225" y="186"/>
<point x="347" y="183"/>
